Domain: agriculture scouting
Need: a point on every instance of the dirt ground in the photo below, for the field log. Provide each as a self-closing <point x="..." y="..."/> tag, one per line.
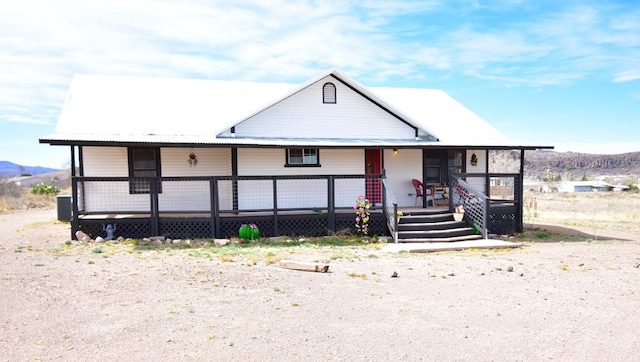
<point x="572" y="301"/>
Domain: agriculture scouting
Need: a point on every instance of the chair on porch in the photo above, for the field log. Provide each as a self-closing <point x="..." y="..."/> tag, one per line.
<point x="420" y="191"/>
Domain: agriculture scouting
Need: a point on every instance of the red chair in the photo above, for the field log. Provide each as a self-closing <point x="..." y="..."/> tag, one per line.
<point x="420" y="191"/>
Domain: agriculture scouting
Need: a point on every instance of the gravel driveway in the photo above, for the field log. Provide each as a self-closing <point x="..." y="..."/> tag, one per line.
<point x="571" y="301"/>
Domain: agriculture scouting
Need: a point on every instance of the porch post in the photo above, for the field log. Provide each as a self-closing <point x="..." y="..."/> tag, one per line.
<point x="486" y="218"/>
<point x="75" y="222"/>
<point x="234" y="173"/>
<point x="487" y="177"/>
<point x="276" y="230"/>
<point x="153" y="199"/>
<point x="425" y="202"/>
<point x="73" y="161"/>
<point x="214" y="207"/>
<point x="519" y="194"/>
<point x="331" y="203"/>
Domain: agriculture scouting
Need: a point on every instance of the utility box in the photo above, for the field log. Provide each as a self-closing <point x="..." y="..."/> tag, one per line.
<point x="64" y="207"/>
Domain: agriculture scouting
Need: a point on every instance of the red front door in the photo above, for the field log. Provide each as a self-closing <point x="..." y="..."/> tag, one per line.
<point x="373" y="166"/>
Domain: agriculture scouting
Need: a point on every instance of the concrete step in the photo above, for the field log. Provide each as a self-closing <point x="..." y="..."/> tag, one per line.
<point x="425" y="218"/>
<point x="432" y="234"/>
<point x="436" y="225"/>
<point x="438" y="240"/>
<point x="427" y="226"/>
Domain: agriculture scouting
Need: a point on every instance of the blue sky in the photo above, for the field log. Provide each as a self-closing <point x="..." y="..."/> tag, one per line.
<point x="565" y="73"/>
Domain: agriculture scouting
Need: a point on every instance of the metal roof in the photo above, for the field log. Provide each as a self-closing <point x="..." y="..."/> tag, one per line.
<point x="133" y="110"/>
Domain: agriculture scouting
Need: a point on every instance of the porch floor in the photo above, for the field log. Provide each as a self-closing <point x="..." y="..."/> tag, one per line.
<point x="179" y="215"/>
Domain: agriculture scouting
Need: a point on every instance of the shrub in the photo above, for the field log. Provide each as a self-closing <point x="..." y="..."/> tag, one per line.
<point x="44" y="189"/>
<point x="362" y="207"/>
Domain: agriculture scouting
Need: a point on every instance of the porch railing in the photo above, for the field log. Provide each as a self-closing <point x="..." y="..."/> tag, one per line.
<point x="476" y="204"/>
<point x="390" y="209"/>
<point x="217" y="196"/>
<point x="497" y="209"/>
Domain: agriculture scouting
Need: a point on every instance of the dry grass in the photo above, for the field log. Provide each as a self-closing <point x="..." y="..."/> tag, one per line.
<point x="13" y="197"/>
<point x="594" y="210"/>
<point x="23" y="199"/>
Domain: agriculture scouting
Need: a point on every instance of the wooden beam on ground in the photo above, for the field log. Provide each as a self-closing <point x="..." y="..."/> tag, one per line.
<point x="299" y="265"/>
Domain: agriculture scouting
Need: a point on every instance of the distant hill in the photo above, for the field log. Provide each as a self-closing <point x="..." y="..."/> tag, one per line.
<point x="10" y="169"/>
<point x="572" y="165"/>
<point x="566" y="166"/>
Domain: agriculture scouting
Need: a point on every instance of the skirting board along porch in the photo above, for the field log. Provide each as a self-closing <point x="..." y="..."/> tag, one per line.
<point x="226" y="225"/>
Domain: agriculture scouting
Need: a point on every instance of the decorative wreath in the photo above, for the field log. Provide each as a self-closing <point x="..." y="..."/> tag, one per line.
<point x="193" y="160"/>
<point x="474" y="160"/>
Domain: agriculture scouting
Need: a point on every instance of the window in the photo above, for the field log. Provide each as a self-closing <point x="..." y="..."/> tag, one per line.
<point x="432" y="167"/>
<point x="143" y="163"/>
<point x="329" y="93"/>
<point x="439" y="163"/>
<point x="303" y="157"/>
<point x="454" y="162"/>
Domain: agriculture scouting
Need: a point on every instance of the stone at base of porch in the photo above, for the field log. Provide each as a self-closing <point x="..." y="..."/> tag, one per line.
<point x="448" y="246"/>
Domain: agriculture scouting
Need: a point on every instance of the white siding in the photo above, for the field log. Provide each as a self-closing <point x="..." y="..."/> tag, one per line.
<point x="175" y="196"/>
<point x="270" y="162"/>
<point x="194" y="195"/>
<point x="477" y="183"/>
<point x="185" y="196"/>
<point x="400" y="169"/>
<point x="211" y="162"/>
<point x="304" y="115"/>
<point x="105" y="162"/>
<point x="298" y="193"/>
<point x="109" y="196"/>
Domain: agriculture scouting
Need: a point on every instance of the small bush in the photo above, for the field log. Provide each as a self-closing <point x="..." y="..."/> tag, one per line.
<point x="10" y="189"/>
<point x="44" y="189"/>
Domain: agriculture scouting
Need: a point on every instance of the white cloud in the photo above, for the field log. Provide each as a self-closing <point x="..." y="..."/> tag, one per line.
<point x="43" y="43"/>
<point x="627" y="76"/>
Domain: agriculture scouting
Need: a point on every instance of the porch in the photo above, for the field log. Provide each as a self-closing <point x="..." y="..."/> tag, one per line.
<point x="208" y="207"/>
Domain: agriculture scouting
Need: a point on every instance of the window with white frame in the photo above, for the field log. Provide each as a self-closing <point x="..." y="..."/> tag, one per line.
<point x="303" y="157"/>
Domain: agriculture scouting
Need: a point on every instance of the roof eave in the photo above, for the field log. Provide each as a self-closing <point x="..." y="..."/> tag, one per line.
<point x="209" y="141"/>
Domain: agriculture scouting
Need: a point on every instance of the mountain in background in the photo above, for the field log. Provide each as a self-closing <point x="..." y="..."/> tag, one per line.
<point x="10" y="169"/>
<point x="567" y="166"/>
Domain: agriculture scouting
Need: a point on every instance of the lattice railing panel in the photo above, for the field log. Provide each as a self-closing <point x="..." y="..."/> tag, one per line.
<point x="307" y="226"/>
<point x="474" y="203"/>
<point x="502" y="219"/>
<point x="181" y="229"/>
<point x="139" y="228"/>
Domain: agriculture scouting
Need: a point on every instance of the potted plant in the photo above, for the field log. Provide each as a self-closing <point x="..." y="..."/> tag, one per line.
<point x="249" y="231"/>
<point x="458" y="214"/>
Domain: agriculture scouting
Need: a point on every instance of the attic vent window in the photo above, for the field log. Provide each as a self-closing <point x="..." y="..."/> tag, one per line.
<point x="329" y="93"/>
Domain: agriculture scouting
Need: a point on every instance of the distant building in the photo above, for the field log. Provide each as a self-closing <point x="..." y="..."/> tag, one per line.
<point x="620" y="187"/>
<point x="536" y="186"/>
<point x="584" y="186"/>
